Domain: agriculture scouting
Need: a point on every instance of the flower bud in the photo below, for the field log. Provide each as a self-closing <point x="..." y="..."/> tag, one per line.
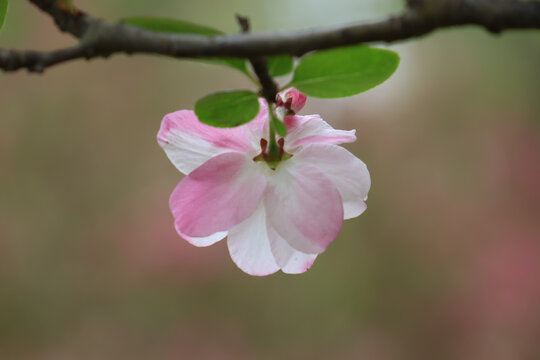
<point x="291" y="99"/>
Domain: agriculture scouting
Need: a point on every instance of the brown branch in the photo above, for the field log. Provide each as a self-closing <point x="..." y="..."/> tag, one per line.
<point x="36" y="61"/>
<point x="102" y="38"/>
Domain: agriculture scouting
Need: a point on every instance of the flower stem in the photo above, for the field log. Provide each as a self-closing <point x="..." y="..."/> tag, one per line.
<point x="273" y="148"/>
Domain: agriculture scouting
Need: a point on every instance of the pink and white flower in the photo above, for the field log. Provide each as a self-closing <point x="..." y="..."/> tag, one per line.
<point x="273" y="218"/>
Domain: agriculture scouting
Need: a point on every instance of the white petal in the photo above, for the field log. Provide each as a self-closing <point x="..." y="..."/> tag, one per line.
<point x="299" y="263"/>
<point x="312" y="129"/>
<point x="303" y="206"/>
<point x="348" y="173"/>
<point x="290" y="261"/>
<point x="249" y="245"/>
<point x="205" y="241"/>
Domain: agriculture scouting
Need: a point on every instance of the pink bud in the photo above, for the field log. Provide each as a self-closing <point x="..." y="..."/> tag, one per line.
<point x="291" y="99"/>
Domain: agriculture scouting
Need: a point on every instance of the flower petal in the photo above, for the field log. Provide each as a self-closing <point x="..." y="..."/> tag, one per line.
<point x="303" y="206"/>
<point x="249" y="245"/>
<point x="218" y="195"/>
<point x="347" y="172"/>
<point x="189" y="143"/>
<point x="257" y="129"/>
<point x="290" y="261"/>
<point x="304" y="130"/>
<point x="299" y="263"/>
<point x="204" y="241"/>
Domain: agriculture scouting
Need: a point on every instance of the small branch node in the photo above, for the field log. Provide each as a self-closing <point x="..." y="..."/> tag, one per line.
<point x="243" y="21"/>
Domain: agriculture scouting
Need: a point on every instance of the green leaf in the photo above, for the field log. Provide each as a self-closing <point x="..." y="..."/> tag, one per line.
<point x="280" y="65"/>
<point x="228" y="108"/>
<point x="165" y="25"/>
<point x="344" y="71"/>
<point x="3" y="10"/>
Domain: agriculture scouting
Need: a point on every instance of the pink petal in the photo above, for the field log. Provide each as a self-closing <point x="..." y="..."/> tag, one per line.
<point x="348" y="173"/>
<point x="303" y="206"/>
<point x="205" y="241"/>
<point x="249" y="245"/>
<point x="290" y="261"/>
<point x="189" y="143"/>
<point x="218" y="195"/>
<point x="310" y="129"/>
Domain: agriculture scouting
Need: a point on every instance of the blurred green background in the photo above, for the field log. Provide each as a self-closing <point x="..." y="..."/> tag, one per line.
<point x="444" y="264"/>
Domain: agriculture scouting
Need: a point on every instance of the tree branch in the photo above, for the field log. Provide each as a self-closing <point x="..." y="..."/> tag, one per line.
<point x="100" y="38"/>
<point x="36" y="61"/>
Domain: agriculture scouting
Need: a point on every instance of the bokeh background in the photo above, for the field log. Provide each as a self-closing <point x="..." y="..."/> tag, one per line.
<point x="444" y="264"/>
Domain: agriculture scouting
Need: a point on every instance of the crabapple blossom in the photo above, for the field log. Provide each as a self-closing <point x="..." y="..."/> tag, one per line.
<point x="275" y="215"/>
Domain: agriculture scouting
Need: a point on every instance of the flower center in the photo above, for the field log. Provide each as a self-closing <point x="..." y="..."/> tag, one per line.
<point x="272" y="163"/>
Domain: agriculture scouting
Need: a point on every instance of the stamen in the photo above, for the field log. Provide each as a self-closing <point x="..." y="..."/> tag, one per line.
<point x="264" y="144"/>
<point x="281" y="143"/>
<point x="262" y="155"/>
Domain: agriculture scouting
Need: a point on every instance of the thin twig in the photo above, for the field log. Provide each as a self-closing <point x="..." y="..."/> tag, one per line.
<point x="268" y="86"/>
